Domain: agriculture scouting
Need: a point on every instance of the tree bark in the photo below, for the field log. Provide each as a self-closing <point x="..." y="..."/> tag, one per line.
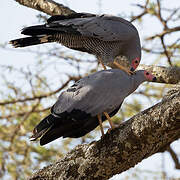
<point x="143" y="135"/>
<point x="47" y="6"/>
<point x="167" y="75"/>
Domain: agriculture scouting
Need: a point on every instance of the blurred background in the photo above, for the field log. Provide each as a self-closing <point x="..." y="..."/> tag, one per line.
<point x="32" y="78"/>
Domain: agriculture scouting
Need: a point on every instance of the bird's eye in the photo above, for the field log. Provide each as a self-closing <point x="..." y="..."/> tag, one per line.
<point x="136" y="61"/>
<point x="147" y="73"/>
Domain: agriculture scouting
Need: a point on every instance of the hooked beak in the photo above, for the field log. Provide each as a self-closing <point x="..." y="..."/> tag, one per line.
<point x="132" y="69"/>
<point x="154" y="79"/>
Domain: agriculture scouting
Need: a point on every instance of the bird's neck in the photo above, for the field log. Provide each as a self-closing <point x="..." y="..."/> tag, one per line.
<point x="137" y="80"/>
<point x="133" y="49"/>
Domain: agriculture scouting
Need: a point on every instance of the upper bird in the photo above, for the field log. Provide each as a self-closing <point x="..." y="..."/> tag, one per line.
<point x="91" y="100"/>
<point x="105" y="36"/>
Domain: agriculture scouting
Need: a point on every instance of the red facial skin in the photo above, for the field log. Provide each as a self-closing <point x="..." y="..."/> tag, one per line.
<point x="149" y="76"/>
<point x="135" y="63"/>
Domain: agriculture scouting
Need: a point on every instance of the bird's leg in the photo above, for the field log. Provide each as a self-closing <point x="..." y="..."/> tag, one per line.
<point x="102" y="64"/>
<point x="122" y="68"/>
<point x="100" y="123"/>
<point x="110" y="121"/>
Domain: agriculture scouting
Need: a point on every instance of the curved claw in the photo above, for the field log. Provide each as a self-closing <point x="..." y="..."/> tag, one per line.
<point x="109" y="130"/>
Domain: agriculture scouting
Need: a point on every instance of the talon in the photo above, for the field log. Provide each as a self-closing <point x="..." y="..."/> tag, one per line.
<point x="102" y="136"/>
<point x="100" y="123"/>
<point x="109" y="119"/>
<point x="109" y="130"/>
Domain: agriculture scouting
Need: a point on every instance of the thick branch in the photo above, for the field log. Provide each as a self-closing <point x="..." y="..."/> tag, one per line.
<point x="47" y="6"/>
<point x="168" y="75"/>
<point x="134" y="140"/>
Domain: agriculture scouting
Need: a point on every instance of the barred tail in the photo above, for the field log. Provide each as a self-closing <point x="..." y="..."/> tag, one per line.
<point x="28" y="41"/>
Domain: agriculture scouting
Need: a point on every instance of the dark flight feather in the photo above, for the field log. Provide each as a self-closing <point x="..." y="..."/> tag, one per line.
<point x="74" y="124"/>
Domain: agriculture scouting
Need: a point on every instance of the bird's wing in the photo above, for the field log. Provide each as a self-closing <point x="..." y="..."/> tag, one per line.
<point x="105" y="27"/>
<point x="94" y="94"/>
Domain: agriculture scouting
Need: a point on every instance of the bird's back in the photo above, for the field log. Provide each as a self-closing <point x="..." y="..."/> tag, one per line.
<point x="96" y="93"/>
<point x="104" y="36"/>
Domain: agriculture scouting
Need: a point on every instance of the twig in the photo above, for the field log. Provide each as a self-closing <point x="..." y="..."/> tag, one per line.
<point x="174" y="157"/>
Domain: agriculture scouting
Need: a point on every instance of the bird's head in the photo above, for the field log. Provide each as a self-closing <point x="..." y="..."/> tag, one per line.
<point x="149" y="76"/>
<point x="134" y="64"/>
<point x="141" y="76"/>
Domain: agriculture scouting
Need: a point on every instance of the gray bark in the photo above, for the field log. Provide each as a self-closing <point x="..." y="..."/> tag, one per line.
<point x="143" y="135"/>
<point x="167" y="75"/>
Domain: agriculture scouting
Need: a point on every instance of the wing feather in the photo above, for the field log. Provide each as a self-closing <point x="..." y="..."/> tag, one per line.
<point x="94" y="94"/>
<point x="105" y="27"/>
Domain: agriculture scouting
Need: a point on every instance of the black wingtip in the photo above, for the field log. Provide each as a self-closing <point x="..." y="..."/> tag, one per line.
<point x="42" y="128"/>
<point x="14" y="43"/>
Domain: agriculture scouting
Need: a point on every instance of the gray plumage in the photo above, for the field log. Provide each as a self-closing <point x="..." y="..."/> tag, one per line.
<point x="100" y="92"/>
<point x="75" y="112"/>
<point x="104" y="36"/>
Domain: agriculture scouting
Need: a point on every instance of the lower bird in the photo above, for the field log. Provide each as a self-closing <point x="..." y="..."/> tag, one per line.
<point x="104" y="36"/>
<point x="87" y="103"/>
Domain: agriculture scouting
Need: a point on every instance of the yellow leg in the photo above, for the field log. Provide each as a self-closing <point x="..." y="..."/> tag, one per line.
<point x="100" y="123"/>
<point x="102" y="64"/>
<point x="109" y="119"/>
<point x="122" y="68"/>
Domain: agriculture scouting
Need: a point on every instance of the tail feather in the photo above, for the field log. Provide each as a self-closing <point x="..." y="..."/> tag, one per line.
<point x="39" y="34"/>
<point x="75" y="124"/>
<point x="42" y="34"/>
<point x="55" y="132"/>
<point x="34" y="30"/>
<point x="28" y="41"/>
<point x="40" y="30"/>
<point x="42" y="127"/>
<point x="49" y="30"/>
<point x="50" y="128"/>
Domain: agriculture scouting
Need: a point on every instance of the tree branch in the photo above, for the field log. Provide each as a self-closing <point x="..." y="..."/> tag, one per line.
<point x="167" y="75"/>
<point x="13" y="115"/>
<point x="167" y="31"/>
<point x="174" y="157"/>
<point x="47" y="6"/>
<point x="144" y="12"/>
<point x="141" y="136"/>
<point x="39" y="96"/>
